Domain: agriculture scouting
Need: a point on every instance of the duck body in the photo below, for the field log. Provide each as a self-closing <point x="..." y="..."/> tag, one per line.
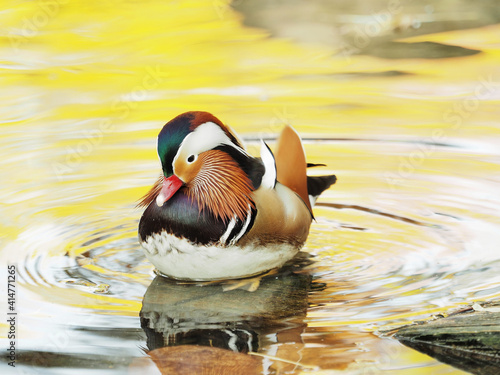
<point x="218" y="213"/>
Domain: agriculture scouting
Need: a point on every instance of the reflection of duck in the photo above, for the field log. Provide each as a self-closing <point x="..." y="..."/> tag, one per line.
<point x="210" y="315"/>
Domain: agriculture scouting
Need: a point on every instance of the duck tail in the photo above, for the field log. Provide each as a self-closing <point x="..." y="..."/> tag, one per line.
<point x="318" y="184"/>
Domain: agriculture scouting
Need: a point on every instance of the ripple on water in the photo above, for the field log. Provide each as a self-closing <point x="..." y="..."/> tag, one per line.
<point x="433" y="250"/>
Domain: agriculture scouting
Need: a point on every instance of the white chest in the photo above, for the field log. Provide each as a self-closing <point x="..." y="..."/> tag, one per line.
<point x="180" y="259"/>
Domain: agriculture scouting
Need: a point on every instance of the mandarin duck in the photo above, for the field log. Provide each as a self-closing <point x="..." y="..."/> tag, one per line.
<point x="218" y="213"/>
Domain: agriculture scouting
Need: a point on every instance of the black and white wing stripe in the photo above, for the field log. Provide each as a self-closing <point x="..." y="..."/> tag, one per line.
<point x="236" y="228"/>
<point x="269" y="177"/>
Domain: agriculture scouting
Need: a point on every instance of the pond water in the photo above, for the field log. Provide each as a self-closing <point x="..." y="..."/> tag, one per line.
<point x="411" y="129"/>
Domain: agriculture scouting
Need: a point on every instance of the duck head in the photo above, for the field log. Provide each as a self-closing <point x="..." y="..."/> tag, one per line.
<point x="201" y="155"/>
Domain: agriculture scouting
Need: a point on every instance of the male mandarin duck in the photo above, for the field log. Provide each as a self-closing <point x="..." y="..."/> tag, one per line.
<point x="218" y="213"/>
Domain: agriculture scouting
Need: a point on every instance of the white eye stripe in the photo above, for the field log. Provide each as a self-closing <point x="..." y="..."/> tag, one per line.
<point x="205" y="137"/>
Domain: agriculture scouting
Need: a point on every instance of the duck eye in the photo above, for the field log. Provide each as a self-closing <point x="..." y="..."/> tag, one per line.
<point x="191" y="158"/>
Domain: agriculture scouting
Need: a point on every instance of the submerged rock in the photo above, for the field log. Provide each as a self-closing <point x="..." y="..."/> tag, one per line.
<point x="468" y="339"/>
